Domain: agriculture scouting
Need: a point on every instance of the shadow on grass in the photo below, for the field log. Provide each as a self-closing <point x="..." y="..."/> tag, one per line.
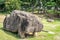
<point x="57" y="19"/>
<point x="15" y="35"/>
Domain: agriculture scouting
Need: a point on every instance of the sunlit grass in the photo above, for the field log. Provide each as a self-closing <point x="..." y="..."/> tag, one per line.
<point x="50" y="26"/>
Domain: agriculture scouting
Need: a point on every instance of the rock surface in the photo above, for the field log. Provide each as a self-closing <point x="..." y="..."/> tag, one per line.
<point x="22" y="22"/>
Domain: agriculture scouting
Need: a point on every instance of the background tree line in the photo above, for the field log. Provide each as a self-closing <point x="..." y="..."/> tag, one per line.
<point x="49" y="6"/>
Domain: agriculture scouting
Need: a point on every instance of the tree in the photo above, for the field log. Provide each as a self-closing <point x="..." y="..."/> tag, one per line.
<point x="2" y="5"/>
<point x="12" y="5"/>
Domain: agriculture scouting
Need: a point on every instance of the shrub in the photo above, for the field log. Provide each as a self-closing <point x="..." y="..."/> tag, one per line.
<point x="12" y="5"/>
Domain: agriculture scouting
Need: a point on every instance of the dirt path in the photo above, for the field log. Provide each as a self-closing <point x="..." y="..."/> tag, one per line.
<point x="2" y="18"/>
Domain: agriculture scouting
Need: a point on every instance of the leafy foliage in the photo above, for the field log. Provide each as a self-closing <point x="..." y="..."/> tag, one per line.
<point x="12" y="5"/>
<point x="31" y="5"/>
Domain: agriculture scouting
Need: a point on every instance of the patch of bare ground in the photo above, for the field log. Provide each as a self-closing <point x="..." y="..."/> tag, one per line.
<point x="57" y="37"/>
<point x="2" y="18"/>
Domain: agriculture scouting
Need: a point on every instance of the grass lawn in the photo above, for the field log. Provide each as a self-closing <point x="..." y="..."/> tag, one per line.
<point x="51" y="26"/>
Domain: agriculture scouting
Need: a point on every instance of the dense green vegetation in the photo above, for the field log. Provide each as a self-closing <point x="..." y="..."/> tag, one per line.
<point x="28" y="4"/>
<point x="34" y="6"/>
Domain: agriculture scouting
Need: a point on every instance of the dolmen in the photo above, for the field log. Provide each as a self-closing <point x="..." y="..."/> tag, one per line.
<point x="22" y="22"/>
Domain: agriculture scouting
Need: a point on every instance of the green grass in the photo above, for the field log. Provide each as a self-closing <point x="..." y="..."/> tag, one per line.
<point x="51" y="26"/>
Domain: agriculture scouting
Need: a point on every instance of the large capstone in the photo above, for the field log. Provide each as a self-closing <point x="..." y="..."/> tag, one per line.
<point x="22" y="22"/>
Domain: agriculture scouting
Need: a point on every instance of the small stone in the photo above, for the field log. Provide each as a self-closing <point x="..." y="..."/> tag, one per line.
<point x="50" y="20"/>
